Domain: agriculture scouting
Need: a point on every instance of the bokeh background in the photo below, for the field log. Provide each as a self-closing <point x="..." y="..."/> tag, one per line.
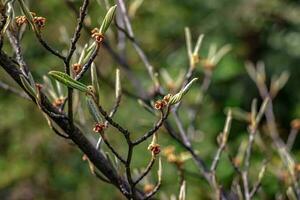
<point x="37" y="164"/>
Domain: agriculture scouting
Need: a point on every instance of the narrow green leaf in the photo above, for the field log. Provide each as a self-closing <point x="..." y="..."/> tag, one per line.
<point x="83" y="54"/>
<point x="93" y="108"/>
<point x="177" y="97"/>
<point x="95" y="83"/>
<point x="88" y="52"/>
<point x="108" y="19"/>
<point x="49" y="87"/>
<point x="31" y="89"/>
<point x="68" y="81"/>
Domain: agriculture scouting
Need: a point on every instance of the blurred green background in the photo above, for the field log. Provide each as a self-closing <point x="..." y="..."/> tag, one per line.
<point x="37" y="164"/>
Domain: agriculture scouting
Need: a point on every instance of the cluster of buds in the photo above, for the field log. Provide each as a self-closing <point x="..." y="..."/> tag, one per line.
<point x="97" y="35"/>
<point x="37" y="20"/>
<point x="98" y="128"/>
<point x="169" y="152"/>
<point x="161" y="104"/>
<point x="20" y="20"/>
<point x="58" y="102"/>
<point x="77" y="68"/>
<point x="295" y="124"/>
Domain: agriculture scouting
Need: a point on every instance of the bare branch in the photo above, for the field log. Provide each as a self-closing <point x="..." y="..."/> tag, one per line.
<point x="163" y="117"/>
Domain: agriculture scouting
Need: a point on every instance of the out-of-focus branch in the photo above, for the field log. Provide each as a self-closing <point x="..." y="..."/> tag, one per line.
<point x="13" y="90"/>
<point x="137" y="47"/>
<point x="259" y="78"/>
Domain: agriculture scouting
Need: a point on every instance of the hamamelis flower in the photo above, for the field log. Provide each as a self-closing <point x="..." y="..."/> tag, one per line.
<point x="20" y="20"/>
<point x="58" y="102"/>
<point x="39" y="22"/>
<point x="161" y="104"/>
<point x="98" y="128"/>
<point x="77" y="68"/>
<point x="154" y="148"/>
<point x="99" y="37"/>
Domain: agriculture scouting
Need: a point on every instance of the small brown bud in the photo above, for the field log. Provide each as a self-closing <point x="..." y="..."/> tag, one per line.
<point x="58" y="102"/>
<point x="99" y="37"/>
<point x="77" y="68"/>
<point x="20" y="20"/>
<point x="39" y="22"/>
<point x="98" y="128"/>
<point x="160" y="104"/>
<point x="295" y="124"/>
<point x="84" y="157"/>
<point x="154" y="148"/>
<point x="167" y="98"/>
<point x="38" y="86"/>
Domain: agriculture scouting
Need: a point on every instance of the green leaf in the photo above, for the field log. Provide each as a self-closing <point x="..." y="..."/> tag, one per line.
<point x="93" y="108"/>
<point x="177" y="97"/>
<point x="108" y="19"/>
<point x="29" y="88"/>
<point x="68" y="81"/>
<point x="95" y="83"/>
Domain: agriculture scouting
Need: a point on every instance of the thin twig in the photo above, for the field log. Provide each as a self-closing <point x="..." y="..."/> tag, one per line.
<point x="48" y="47"/>
<point x="137" y="47"/>
<point x="76" y="35"/>
<point x="163" y="117"/>
<point x="112" y="122"/>
<point x="146" y="171"/>
<point x="74" y="40"/>
<point x="291" y="139"/>
<point x="182" y="132"/>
